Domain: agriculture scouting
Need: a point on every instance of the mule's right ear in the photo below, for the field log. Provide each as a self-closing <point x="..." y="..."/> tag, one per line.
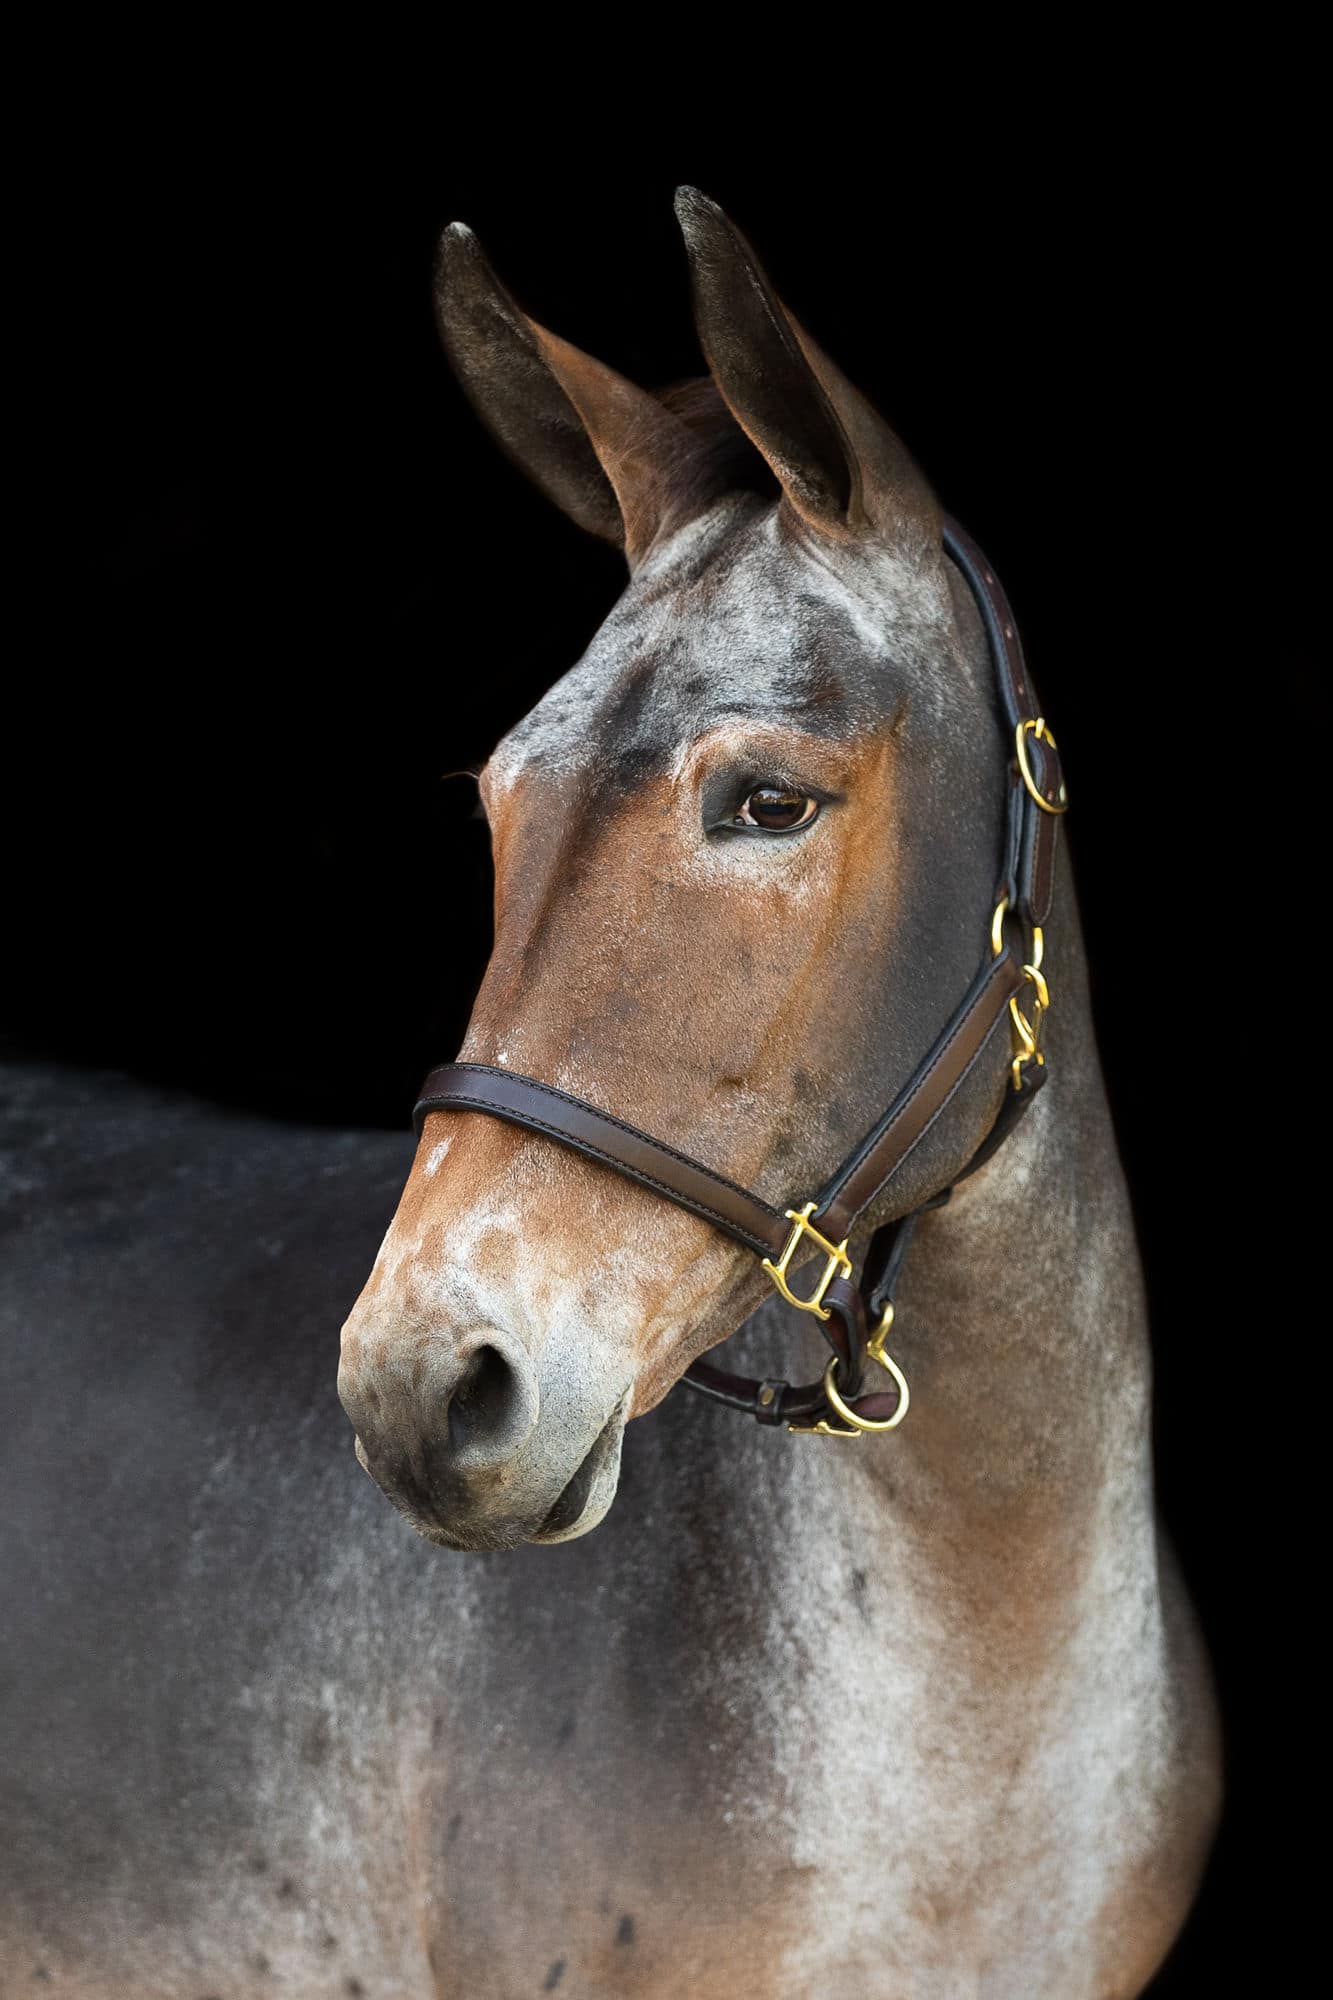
<point x="840" y="466"/>
<point x="599" y="446"/>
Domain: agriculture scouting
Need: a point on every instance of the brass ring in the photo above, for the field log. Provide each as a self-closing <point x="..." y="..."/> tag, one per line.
<point x="997" y="927"/>
<point x="845" y="1410"/>
<point x="1042" y="734"/>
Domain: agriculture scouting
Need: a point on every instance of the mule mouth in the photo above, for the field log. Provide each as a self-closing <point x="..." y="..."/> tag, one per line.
<point x="581" y="1503"/>
<point x="587" y="1496"/>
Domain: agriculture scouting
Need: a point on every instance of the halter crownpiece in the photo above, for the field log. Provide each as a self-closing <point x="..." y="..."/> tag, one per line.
<point x="855" y="1318"/>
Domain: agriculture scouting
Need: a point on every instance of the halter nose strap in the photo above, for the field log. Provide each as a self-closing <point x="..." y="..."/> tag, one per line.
<point x="784" y="1239"/>
<point x="776" y="1235"/>
<point x="614" y="1142"/>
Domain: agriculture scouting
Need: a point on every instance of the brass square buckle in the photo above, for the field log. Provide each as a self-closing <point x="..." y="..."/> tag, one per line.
<point x="838" y="1262"/>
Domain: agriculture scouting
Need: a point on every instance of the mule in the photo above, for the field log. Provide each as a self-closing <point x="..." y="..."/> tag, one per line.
<point x="924" y="1715"/>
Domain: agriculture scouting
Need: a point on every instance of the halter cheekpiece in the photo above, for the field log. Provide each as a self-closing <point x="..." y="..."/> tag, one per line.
<point x="855" y="1317"/>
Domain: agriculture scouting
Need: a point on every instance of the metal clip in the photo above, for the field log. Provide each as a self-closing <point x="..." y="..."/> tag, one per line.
<point x="1027" y="1031"/>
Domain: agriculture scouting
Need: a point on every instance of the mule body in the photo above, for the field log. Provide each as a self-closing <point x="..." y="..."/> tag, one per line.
<point x="919" y="1716"/>
<point x="791" y="1722"/>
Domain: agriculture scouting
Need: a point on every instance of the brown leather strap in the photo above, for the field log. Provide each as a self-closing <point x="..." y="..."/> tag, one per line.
<point x="1031" y="872"/>
<point x="770" y="1402"/>
<point x="522" y="1100"/>
<point x="885" y="1147"/>
<point x="613" y="1142"/>
<point x="767" y="1401"/>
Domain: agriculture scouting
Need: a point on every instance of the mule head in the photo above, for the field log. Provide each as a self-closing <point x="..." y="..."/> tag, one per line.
<point x="745" y="853"/>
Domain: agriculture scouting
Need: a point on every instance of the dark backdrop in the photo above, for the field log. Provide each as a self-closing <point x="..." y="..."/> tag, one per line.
<point x="282" y="581"/>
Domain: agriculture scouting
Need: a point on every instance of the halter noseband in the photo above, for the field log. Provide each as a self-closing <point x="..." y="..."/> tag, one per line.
<point x="855" y="1317"/>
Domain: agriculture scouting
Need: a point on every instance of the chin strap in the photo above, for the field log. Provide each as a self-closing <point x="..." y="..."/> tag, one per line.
<point x="855" y="1317"/>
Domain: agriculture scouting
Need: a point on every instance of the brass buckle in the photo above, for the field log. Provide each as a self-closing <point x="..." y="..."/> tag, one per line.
<point x="857" y="1426"/>
<point x="835" y="1252"/>
<point x="1036" y="726"/>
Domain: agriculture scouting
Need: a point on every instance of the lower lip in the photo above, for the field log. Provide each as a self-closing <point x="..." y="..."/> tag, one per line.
<point x="572" y="1502"/>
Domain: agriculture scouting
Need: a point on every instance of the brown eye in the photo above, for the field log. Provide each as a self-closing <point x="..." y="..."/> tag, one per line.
<point x="776" y="809"/>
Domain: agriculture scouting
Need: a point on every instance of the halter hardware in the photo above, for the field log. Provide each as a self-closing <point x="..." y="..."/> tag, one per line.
<point x="866" y="1176"/>
<point x="1027" y="1029"/>
<point x="839" y="1263"/>
<point x="1035" y="726"/>
<point x="1027" y="1032"/>
<point x="853" y="1425"/>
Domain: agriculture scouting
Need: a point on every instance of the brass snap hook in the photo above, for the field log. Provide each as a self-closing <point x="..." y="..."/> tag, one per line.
<point x="1027" y="1033"/>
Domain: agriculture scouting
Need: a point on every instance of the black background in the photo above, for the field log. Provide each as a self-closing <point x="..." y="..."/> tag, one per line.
<point x="282" y="581"/>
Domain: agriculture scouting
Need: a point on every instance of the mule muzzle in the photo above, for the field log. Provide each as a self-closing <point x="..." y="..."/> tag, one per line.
<point x="464" y="1444"/>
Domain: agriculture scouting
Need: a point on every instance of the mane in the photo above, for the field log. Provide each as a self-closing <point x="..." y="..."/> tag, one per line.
<point x="722" y="458"/>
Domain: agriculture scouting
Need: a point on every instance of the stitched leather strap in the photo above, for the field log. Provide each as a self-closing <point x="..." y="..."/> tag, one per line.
<point x="522" y="1100"/>
<point x="614" y="1142"/>
<point x="1030" y="867"/>
<point x="887" y="1145"/>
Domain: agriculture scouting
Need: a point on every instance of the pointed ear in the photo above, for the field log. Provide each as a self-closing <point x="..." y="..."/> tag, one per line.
<point x="839" y="464"/>
<point x="603" y="449"/>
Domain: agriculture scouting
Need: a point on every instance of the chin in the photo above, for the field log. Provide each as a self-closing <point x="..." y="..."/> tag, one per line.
<point x="581" y="1504"/>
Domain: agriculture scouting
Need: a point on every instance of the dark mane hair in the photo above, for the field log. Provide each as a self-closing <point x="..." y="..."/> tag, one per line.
<point x="722" y="460"/>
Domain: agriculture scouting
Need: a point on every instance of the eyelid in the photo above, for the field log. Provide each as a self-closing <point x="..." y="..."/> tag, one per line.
<point x="754" y="780"/>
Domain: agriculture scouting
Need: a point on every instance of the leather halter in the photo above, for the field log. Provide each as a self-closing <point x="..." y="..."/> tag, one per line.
<point x="855" y="1318"/>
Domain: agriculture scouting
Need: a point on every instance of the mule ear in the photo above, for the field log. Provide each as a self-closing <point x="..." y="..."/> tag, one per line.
<point x="839" y="464"/>
<point x="599" y="446"/>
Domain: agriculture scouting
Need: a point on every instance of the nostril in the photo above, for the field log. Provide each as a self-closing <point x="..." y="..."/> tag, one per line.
<point x="441" y="1413"/>
<point x="478" y="1401"/>
<point x="489" y="1409"/>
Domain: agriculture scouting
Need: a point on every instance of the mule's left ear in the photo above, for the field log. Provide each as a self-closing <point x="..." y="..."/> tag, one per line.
<point x="839" y="464"/>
